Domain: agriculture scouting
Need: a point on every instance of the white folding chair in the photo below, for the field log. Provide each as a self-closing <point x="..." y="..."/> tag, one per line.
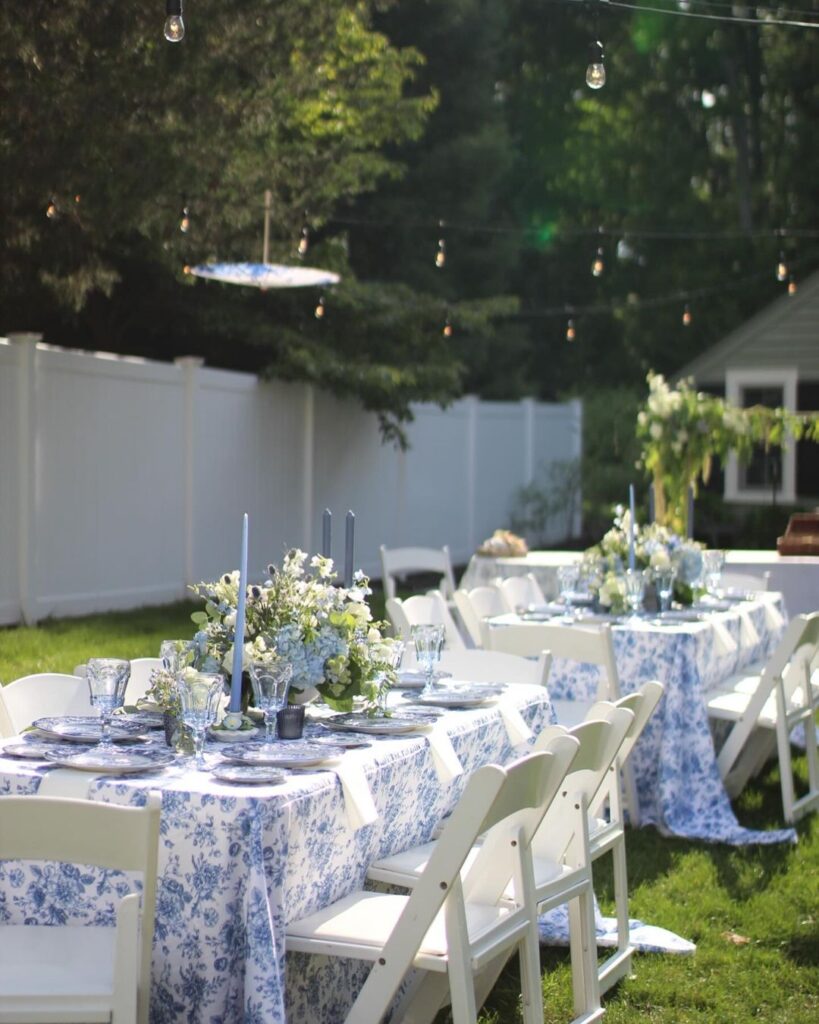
<point x="420" y="609"/>
<point x="398" y="562"/>
<point x="476" y="604"/>
<point x="520" y="592"/>
<point x="81" y="972"/>
<point x="739" y="581"/>
<point x="496" y="667"/>
<point x="35" y="696"/>
<point x="765" y="708"/>
<point x="591" y="645"/>
<point x="607" y="826"/>
<point x="455" y="927"/>
<point x="140" y="679"/>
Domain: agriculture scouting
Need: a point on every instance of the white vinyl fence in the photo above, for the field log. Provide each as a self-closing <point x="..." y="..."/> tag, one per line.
<point x="122" y="480"/>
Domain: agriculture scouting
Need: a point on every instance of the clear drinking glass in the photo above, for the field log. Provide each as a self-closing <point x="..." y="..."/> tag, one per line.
<point x="270" y="680"/>
<point x="199" y="694"/>
<point x="713" y="562"/>
<point x="664" y="584"/>
<point x="107" y="679"/>
<point x="396" y="656"/>
<point x="635" y="589"/>
<point x="567" y="577"/>
<point x="429" y="640"/>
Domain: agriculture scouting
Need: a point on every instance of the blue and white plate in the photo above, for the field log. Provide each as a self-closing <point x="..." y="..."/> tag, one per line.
<point x="121" y="762"/>
<point x="459" y="695"/>
<point x="394" y="725"/>
<point x="248" y="774"/>
<point x="86" y="729"/>
<point x="36" y="749"/>
<point x="415" y="679"/>
<point x="284" y="754"/>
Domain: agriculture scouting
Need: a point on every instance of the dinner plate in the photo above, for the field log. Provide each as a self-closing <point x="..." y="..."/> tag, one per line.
<point x="395" y="725"/>
<point x="36" y="750"/>
<point x="412" y="679"/>
<point x="352" y="742"/>
<point x="126" y="762"/>
<point x="147" y="719"/>
<point x="248" y="774"/>
<point x="459" y="696"/>
<point x="286" y="754"/>
<point x="85" y="729"/>
<point x="674" y="616"/>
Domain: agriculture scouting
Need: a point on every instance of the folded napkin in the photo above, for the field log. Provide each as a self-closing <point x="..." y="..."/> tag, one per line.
<point x="66" y="782"/>
<point x="516" y="728"/>
<point x="747" y="630"/>
<point x="358" y="798"/>
<point x="446" y="761"/>
<point x="725" y="643"/>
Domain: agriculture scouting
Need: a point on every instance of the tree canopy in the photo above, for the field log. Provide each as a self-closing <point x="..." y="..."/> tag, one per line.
<point x="393" y="132"/>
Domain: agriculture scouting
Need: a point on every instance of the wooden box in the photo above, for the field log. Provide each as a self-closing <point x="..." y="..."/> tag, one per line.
<point x="801" y="536"/>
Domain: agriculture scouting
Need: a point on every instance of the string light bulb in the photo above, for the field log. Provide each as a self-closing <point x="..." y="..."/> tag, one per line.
<point x="186" y="269"/>
<point x="791" y="285"/>
<point x="78" y="199"/>
<point x="320" y="310"/>
<point x="304" y="241"/>
<point x="781" y="268"/>
<point x="185" y="222"/>
<point x="686" y="317"/>
<point x="596" y="70"/>
<point x="174" y="25"/>
<point x="51" y="209"/>
<point x="440" y="256"/>
<point x="448" y="330"/>
<point x="598" y="264"/>
<point x="571" y="330"/>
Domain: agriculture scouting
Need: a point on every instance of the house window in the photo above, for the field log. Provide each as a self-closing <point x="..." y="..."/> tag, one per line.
<point x="768" y="477"/>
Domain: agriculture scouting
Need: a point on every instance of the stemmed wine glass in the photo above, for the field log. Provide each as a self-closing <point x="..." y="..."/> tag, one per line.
<point x="199" y="694"/>
<point x="567" y="579"/>
<point x="429" y="640"/>
<point x="664" y="583"/>
<point x="107" y="679"/>
<point x="394" y="657"/>
<point x="270" y="680"/>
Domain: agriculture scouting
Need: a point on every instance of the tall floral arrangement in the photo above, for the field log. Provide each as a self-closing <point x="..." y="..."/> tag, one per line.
<point x="655" y="547"/>
<point x="325" y="631"/>
<point x="683" y="430"/>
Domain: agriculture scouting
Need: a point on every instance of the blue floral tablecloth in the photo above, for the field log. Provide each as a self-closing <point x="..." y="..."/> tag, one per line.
<point x="678" y="783"/>
<point x="237" y="863"/>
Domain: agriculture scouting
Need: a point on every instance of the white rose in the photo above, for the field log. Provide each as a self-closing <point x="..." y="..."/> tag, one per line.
<point x="656" y="431"/>
<point x="230" y="620"/>
<point x="659" y="559"/>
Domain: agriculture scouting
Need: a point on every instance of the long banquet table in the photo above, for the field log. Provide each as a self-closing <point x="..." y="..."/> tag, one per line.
<point x="237" y="862"/>
<point x="678" y="783"/>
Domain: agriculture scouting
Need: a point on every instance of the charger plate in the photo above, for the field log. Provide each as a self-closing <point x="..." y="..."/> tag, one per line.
<point x="86" y="729"/>
<point x="464" y="696"/>
<point x="36" y="749"/>
<point x="286" y="754"/>
<point x="128" y="762"/>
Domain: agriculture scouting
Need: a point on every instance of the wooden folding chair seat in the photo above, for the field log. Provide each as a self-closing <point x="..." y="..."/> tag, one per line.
<point x="476" y="604"/>
<point x="521" y="592"/>
<point x="90" y="973"/>
<point x="481" y="666"/>
<point x="400" y="562"/>
<point x="421" y="609"/>
<point x="35" y="696"/>
<point x="765" y="708"/>
<point x="455" y="927"/>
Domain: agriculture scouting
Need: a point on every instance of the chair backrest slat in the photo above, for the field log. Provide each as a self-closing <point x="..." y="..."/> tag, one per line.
<point x="403" y="561"/>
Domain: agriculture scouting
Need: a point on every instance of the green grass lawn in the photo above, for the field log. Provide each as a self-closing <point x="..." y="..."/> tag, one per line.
<point x="753" y="912"/>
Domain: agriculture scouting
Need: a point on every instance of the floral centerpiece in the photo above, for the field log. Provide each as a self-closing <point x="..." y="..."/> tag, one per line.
<point x="655" y="547"/>
<point x="325" y="631"/>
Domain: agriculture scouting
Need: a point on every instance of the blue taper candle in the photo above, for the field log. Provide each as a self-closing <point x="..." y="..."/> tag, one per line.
<point x="239" y="633"/>
<point x="631" y="526"/>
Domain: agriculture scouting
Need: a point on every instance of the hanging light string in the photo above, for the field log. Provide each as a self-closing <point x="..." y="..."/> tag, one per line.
<point x="737" y="19"/>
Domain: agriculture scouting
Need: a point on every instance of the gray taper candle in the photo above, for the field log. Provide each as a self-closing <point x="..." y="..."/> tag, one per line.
<point x="349" y="543"/>
<point x="326" y="528"/>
